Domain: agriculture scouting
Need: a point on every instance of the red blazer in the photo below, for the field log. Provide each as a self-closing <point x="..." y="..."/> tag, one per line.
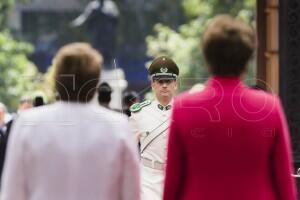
<point x="228" y="142"/>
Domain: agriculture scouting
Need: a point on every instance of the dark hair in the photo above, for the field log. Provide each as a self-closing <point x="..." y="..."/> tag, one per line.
<point x="104" y="93"/>
<point x="38" y="101"/>
<point x="228" y="44"/>
<point x="77" y="72"/>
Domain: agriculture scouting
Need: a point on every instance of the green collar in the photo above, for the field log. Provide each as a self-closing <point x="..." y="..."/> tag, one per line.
<point x="161" y="107"/>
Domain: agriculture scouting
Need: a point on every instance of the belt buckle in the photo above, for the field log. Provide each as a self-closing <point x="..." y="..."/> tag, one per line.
<point x="153" y="164"/>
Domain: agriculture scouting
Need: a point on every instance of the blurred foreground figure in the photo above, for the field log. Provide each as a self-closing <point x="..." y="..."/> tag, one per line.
<point x="228" y="141"/>
<point x="72" y="150"/>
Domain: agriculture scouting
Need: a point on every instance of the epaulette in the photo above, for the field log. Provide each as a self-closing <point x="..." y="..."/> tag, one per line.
<point x="138" y="106"/>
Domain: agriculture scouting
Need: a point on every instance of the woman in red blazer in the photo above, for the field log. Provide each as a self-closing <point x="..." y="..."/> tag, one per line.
<point x="228" y="142"/>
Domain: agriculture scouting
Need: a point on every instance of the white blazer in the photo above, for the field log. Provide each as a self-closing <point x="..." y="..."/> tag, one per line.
<point x="71" y="151"/>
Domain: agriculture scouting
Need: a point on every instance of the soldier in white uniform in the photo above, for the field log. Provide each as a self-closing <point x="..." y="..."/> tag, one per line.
<point x="150" y="121"/>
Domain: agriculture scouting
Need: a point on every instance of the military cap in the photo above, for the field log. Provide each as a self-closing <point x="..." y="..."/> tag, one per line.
<point x="163" y="67"/>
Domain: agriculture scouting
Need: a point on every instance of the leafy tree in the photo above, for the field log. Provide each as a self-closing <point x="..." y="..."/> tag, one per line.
<point x="5" y="6"/>
<point x="17" y="74"/>
<point x="183" y="44"/>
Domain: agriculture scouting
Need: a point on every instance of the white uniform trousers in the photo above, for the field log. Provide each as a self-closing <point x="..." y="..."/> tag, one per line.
<point x="152" y="183"/>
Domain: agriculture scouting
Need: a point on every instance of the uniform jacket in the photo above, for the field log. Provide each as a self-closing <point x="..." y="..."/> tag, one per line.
<point x="228" y="142"/>
<point x="71" y="151"/>
<point x="145" y="122"/>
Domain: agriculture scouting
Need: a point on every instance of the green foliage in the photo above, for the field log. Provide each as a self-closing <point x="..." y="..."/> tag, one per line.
<point x="5" y="6"/>
<point x="184" y="44"/>
<point x="17" y="74"/>
<point x="193" y="8"/>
